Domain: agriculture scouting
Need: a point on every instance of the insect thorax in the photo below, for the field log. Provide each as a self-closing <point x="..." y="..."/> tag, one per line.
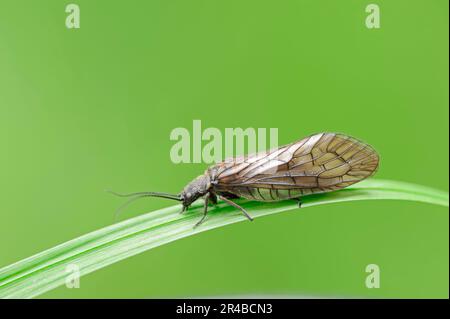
<point x="195" y="189"/>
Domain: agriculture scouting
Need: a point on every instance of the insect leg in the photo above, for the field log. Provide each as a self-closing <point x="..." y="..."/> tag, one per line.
<point x="213" y="198"/>
<point x="229" y="202"/>
<point x="183" y="208"/>
<point x="299" y="201"/>
<point x="205" y="211"/>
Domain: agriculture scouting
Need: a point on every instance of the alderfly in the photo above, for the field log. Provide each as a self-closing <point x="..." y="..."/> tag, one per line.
<point x="319" y="163"/>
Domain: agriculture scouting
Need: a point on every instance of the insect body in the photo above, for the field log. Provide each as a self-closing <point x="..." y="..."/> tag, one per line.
<point x="316" y="164"/>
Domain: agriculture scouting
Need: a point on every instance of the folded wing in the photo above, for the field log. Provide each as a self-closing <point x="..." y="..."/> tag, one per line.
<point x="319" y="163"/>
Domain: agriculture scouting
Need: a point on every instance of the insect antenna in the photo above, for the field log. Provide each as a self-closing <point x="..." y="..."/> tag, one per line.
<point x="136" y="196"/>
<point x="150" y="194"/>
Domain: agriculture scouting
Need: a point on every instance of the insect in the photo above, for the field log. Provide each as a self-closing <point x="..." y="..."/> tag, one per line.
<point x="319" y="163"/>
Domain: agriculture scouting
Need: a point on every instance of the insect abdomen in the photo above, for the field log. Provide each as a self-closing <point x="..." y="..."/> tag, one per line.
<point x="268" y="194"/>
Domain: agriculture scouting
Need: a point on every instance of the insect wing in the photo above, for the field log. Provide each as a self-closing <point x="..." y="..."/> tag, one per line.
<point x="319" y="163"/>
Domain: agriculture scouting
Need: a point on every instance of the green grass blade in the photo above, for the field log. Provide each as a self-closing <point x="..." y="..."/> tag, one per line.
<point x="47" y="270"/>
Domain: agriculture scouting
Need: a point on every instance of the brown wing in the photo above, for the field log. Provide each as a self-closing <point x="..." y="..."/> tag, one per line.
<point x="319" y="163"/>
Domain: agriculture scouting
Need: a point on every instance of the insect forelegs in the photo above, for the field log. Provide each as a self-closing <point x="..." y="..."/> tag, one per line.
<point x="205" y="210"/>
<point x="229" y="202"/>
<point x="213" y="198"/>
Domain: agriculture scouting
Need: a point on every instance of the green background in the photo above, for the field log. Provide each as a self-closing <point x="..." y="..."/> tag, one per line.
<point x="89" y="109"/>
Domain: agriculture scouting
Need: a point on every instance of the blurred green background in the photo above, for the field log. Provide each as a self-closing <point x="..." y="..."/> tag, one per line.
<point x="88" y="109"/>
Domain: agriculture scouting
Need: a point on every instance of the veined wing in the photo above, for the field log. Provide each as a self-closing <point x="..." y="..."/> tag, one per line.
<point x="319" y="163"/>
